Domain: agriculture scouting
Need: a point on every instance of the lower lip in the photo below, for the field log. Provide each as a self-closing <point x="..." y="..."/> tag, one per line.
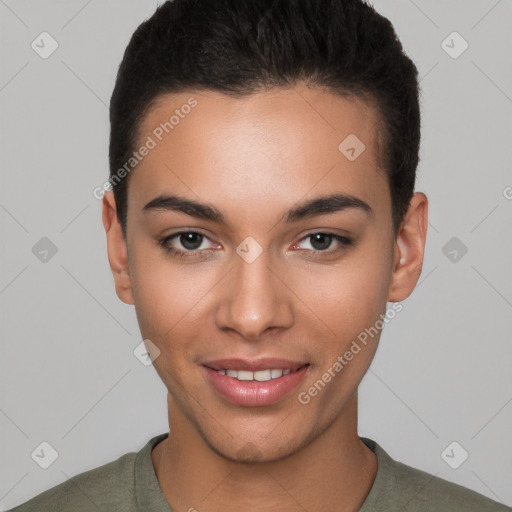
<point x="252" y="393"/>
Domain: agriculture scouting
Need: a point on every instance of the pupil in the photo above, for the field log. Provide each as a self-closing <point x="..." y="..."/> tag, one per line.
<point x="187" y="239"/>
<point x="325" y="241"/>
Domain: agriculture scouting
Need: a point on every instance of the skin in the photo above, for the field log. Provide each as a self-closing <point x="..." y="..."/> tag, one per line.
<point x="254" y="159"/>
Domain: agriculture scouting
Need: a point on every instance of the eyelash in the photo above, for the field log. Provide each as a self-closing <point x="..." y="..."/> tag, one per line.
<point x="164" y="243"/>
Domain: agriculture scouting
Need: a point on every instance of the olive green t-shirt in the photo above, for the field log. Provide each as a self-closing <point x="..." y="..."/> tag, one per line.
<point x="129" y="484"/>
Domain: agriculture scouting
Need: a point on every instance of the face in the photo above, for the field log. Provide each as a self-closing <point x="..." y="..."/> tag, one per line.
<point x="259" y="279"/>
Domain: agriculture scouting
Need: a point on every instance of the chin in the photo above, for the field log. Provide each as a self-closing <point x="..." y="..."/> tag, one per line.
<point x="251" y="452"/>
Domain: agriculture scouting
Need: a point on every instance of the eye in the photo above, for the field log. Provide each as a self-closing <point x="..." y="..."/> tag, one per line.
<point x="320" y="242"/>
<point x="191" y="241"/>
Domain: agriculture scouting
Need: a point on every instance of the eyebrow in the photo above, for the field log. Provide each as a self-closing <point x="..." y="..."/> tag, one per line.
<point x="319" y="206"/>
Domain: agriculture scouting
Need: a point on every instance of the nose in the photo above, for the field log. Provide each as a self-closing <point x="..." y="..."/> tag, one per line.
<point x="255" y="300"/>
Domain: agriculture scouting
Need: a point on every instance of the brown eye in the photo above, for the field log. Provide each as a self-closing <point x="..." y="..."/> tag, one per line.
<point x="321" y="242"/>
<point x="185" y="244"/>
<point x="191" y="241"/>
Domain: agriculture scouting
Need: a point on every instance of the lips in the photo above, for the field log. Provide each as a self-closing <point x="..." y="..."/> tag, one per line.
<point x="254" y="383"/>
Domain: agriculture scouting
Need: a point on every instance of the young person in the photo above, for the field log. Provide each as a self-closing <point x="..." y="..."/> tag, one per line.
<point x="262" y="215"/>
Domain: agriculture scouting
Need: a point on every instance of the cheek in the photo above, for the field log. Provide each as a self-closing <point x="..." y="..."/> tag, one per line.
<point x="347" y="297"/>
<point x="170" y="299"/>
<point x="350" y="300"/>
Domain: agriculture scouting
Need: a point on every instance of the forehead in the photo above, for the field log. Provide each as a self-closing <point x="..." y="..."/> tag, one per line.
<point x="266" y="148"/>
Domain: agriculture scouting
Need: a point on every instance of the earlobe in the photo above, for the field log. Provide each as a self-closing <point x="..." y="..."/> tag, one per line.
<point x="409" y="249"/>
<point x="117" y="249"/>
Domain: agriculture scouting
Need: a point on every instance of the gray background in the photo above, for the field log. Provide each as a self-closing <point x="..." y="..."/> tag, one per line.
<point x="67" y="372"/>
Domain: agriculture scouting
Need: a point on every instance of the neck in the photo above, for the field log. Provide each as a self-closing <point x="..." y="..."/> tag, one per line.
<point x="333" y="472"/>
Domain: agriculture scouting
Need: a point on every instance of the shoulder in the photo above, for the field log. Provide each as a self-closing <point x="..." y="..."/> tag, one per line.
<point x="402" y="487"/>
<point x="107" y="487"/>
<point x="424" y="491"/>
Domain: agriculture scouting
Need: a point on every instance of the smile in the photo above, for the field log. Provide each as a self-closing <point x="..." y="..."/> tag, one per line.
<point x="254" y="383"/>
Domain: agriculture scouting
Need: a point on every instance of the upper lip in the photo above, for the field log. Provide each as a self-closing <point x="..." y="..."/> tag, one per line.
<point x="254" y="365"/>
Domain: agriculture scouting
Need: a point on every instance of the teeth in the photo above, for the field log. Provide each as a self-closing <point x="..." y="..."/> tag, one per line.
<point x="261" y="375"/>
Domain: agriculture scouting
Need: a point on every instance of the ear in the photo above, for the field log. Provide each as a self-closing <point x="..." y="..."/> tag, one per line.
<point x="409" y="249"/>
<point x="116" y="248"/>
